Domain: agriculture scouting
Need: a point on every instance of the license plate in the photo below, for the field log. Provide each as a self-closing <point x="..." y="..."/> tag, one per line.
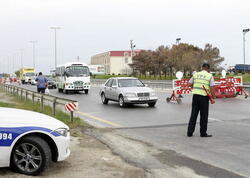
<point x="143" y="98"/>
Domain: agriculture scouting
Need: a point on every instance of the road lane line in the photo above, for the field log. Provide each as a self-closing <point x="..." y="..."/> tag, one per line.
<point x="98" y="119"/>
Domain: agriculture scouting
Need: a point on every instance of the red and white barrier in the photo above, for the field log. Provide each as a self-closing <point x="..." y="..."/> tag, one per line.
<point x="71" y="107"/>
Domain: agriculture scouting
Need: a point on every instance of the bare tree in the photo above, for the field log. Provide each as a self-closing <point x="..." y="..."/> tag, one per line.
<point x="183" y="57"/>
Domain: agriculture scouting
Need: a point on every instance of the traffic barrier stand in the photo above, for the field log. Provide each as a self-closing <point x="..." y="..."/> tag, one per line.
<point x="71" y="107"/>
<point x="18" y="81"/>
<point x="229" y="87"/>
<point x="7" y="81"/>
<point x="180" y="87"/>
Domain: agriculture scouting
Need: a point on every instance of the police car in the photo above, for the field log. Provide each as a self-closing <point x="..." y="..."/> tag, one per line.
<point x="30" y="141"/>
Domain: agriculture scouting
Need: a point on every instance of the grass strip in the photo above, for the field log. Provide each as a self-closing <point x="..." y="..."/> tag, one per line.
<point x="20" y="103"/>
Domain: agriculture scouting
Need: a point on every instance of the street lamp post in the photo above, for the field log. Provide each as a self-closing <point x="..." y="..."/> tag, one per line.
<point x="21" y="57"/>
<point x="34" y="55"/>
<point x="244" y="40"/>
<point x="178" y="40"/>
<point x="55" y="28"/>
<point x="13" y="63"/>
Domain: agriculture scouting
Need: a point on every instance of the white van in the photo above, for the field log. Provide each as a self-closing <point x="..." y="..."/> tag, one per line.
<point x="74" y="76"/>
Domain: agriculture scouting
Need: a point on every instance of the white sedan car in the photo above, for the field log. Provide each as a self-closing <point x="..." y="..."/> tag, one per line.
<point x="30" y="141"/>
<point x="127" y="90"/>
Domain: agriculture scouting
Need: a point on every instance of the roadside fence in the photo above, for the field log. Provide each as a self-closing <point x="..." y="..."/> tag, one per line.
<point x="54" y="102"/>
<point x="167" y="84"/>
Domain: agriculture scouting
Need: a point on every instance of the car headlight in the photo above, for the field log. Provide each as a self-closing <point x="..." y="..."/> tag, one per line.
<point x="153" y="94"/>
<point x="130" y="94"/>
<point x="62" y="131"/>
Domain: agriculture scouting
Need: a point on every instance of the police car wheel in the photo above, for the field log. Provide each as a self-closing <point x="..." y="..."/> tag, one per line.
<point x="31" y="156"/>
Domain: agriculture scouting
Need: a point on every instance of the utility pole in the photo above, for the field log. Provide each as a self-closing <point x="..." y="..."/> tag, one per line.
<point x="78" y="58"/>
<point x="34" y="55"/>
<point x="55" y="28"/>
<point x="244" y="40"/>
<point x="132" y="46"/>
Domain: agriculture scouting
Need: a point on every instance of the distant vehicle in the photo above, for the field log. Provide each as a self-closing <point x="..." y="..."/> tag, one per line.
<point x="33" y="80"/>
<point x="27" y="74"/>
<point x="127" y="90"/>
<point x="51" y="83"/>
<point x="73" y="76"/>
<point x="30" y="141"/>
<point x="97" y="69"/>
<point x="242" y="68"/>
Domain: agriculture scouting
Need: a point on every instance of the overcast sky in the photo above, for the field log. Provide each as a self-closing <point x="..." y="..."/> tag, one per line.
<point x="96" y="26"/>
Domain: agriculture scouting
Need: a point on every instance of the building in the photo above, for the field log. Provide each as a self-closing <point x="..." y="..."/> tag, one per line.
<point x="115" y="62"/>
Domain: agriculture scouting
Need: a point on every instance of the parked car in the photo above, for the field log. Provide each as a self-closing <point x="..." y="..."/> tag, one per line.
<point x="30" y="141"/>
<point x="127" y="90"/>
<point x="51" y="83"/>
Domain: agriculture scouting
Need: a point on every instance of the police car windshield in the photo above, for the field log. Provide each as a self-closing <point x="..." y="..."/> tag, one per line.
<point x="130" y="83"/>
<point x="29" y="74"/>
<point x="77" y="71"/>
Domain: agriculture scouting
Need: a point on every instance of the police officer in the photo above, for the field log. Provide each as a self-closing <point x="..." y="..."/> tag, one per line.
<point x="200" y="101"/>
<point x="41" y="83"/>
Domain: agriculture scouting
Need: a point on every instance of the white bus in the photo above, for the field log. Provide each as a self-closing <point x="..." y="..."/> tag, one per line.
<point x="74" y="76"/>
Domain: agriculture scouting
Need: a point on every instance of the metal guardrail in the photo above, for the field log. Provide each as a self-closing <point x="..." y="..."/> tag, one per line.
<point x="27" y="94"/>
<point x="153" y="84"/>
<point x="156" y="84"/>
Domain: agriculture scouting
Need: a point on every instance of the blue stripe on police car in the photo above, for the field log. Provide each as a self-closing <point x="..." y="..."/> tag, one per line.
<point x="9" y="134"/>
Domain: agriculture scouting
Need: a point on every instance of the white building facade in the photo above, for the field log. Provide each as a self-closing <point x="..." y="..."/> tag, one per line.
<point x="115" y="62"/>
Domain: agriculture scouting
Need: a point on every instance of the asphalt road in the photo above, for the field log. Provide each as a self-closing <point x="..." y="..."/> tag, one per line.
<point x="165" y="127"/>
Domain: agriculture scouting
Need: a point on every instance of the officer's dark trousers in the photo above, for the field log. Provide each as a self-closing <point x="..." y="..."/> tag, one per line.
<point x="199" y="104"/>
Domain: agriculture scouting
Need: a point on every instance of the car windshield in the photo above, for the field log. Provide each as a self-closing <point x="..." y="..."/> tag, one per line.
<point x="78" y="71"/>
<point x="29" y="74"/>
<point x="130" y="83"/>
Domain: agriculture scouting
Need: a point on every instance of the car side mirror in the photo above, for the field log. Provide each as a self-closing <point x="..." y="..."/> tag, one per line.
<point x="146" y="85"/>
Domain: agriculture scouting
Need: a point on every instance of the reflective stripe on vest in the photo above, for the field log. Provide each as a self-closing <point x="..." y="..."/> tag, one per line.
<point x="201" y="79"/>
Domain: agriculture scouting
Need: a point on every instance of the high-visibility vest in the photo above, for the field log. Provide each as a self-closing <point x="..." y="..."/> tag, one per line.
<point x="201" y="79"/>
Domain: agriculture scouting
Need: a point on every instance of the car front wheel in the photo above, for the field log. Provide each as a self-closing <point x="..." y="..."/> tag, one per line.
<point x="121" y="102"/>
<point x="31" y="156"/>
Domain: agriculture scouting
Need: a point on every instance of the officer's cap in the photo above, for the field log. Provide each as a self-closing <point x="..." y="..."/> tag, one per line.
<point x="206" y="65"/>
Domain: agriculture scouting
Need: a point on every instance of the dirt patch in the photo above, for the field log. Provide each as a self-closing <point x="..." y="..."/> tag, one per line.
<point x="89" y="158"/>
